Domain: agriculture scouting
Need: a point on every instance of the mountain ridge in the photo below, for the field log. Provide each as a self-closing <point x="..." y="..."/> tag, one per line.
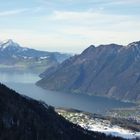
<point x="14" y="55"/>
<point x="107" y="70"/>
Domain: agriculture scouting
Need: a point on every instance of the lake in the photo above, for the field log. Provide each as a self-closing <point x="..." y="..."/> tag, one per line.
<point x="25" y="84"/>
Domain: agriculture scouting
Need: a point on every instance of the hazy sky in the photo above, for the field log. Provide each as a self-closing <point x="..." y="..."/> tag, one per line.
<point x="69" y="25"/>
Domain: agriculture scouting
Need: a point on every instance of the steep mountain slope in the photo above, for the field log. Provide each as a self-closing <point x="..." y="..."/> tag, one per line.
<point x="107" y="70"/>
<point x="22" y="118"/>
<point x="13" y="55"/>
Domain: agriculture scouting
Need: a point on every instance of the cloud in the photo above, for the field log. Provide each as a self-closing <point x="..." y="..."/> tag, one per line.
<point x="97" y="2"/>
<point x="80" y="29"/>
<point x="48" y="42"/>
<point x="126" y="1"/>
<point x="72" y="25"/>
<point x="95" y="20"/>
<point x="12" y="12"/>
<point x="70" y="39"/>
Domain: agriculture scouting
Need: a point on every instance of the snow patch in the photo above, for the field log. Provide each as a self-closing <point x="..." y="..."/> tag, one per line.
<point x="44" y="57"/>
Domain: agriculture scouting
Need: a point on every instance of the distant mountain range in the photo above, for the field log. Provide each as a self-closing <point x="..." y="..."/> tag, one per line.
<point x="13" y="55"/>
<point x="107" y="70"/>
<point x="22" y="118"/>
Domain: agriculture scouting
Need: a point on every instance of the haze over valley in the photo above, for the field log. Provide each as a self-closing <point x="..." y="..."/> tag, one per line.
<point x="22" y="59"/>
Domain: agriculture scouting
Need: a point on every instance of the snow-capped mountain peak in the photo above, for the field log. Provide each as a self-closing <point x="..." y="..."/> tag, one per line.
<point x="12" y="53"/>
<point x="8" y="44"/>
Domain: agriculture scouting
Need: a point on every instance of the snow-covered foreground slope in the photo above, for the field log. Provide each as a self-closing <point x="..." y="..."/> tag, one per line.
<point x="105" y="127"/>
<point x="98" y="124"/>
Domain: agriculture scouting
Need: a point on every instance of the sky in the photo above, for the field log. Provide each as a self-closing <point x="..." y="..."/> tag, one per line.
<point x="69" y="25"/>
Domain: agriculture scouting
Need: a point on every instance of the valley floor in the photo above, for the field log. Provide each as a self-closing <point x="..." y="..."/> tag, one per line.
<point x="98" y="123"/>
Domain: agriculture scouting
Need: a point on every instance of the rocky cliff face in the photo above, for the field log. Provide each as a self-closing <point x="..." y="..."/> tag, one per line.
<point x="22" y="118"/>
<point x="107" y="70"/>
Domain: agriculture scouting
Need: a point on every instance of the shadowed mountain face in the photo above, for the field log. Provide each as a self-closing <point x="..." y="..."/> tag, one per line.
<point x="22" y="118"/>
<point x="107" y="70"/>
<point x="12" y="55"/>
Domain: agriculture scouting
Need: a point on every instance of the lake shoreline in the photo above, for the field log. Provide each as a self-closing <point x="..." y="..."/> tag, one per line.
<point x="25" y="84"/>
